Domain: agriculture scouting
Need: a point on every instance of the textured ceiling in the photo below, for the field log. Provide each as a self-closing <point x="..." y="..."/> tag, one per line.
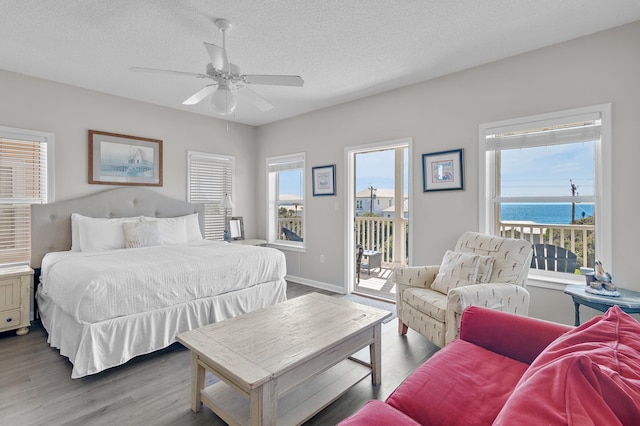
<point x="344" y="50"/>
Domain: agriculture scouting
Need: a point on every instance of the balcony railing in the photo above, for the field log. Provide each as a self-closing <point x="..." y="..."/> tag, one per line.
<point x="292" y="223"/>
<point x="576" y="238"/>
<point x="377" y="233"/>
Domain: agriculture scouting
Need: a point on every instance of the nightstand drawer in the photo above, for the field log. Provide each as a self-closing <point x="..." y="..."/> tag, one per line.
<point x="9" y="319"/>
<point x="9" y="294"/>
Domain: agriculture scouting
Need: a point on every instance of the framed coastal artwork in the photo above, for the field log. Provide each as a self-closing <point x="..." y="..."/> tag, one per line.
<point x="324" y="180"/>
<point x="443" y="171"/>
<point x="116" y="159"/>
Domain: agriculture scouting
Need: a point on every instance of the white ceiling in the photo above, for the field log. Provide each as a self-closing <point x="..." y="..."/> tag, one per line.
<point x="343" y="49"/>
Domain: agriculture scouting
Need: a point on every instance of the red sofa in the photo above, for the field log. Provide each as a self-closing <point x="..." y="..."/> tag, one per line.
<point x="507" y="369"/>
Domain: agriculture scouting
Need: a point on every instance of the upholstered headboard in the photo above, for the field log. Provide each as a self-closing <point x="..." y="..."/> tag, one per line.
<point x="51" y="223"/>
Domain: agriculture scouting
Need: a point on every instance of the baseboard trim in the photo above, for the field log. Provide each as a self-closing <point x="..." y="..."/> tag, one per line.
<point x="315" y="284"/>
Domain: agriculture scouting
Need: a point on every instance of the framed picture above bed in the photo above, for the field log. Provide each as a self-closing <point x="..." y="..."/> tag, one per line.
<point x="116" y="159"/>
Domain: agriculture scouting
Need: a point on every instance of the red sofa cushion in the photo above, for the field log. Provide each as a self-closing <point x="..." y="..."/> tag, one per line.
<point x="377" y="413"/>
<point x="461" y="384"/>
<point x="588" y="376"/>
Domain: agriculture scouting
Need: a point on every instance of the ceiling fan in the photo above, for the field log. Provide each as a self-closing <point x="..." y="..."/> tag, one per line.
<point x="227" y="79"/>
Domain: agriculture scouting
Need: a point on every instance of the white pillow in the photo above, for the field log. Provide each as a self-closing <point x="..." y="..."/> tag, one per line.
<point x="96" y="234"/>
<point x="178" y="230"/>
<point x="457" y="269"/>
<point x="485" y="268"/>
<point x="142" y="234"/>
<point x="193" y="227"/>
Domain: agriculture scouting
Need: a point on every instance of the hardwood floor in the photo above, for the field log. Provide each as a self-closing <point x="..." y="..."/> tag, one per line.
<point x="36" y="386"/>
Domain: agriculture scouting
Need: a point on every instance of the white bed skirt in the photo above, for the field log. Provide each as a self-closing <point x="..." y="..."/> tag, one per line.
<point x="92" y="348"/>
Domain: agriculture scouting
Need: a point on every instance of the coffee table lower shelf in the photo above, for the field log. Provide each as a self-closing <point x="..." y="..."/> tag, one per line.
<point x="296" y="406"/>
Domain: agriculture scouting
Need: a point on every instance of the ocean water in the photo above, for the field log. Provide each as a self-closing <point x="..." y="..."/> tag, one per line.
<point x="557" y="214"/>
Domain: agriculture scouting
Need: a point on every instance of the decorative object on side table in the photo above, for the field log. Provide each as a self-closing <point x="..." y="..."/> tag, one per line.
<point x="236" y="228"/>
<point x="600" y="282"/>
<point x="226" y="204"/>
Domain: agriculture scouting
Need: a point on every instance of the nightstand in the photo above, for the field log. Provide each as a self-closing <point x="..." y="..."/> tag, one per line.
<point x="250" y="242"/>
<point x="15" y="298"/>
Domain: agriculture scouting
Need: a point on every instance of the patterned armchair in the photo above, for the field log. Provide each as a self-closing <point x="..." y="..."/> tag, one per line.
<point x="483" y="270"/>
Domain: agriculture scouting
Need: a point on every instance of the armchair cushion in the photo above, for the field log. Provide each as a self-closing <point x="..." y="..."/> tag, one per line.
<point x="457" y="269"/>
<point x="426" y="301"/>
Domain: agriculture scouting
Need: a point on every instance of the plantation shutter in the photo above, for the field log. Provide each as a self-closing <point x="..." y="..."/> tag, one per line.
<point x="23" y="181"/>
<point x="210" y="178"/>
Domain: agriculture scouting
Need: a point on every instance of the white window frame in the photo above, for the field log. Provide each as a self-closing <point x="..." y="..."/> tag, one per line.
<point x="603" y="182"/>
<point x="272" y="210"/>
<point x="47" y="139"/>
<point x="213" y="158"/>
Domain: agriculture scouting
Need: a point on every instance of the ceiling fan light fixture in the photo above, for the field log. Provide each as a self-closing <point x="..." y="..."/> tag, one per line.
<point x="224" y="100"/>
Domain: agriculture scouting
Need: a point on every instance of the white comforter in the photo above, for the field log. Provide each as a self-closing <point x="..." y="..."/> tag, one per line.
<point x="97" y="286"/>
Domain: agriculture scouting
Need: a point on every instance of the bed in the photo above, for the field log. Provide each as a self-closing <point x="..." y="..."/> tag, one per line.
<point x="103" y="307"/>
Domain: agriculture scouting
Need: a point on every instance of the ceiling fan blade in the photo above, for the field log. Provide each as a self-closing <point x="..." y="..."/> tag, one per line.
<point x="274" y="80"/>
<point x="201" y="94"/>
<point x="157" y="71"/>
<point x="234" y="69"/>
<point x="218" y="57"/>
<point x="254" y="99"/>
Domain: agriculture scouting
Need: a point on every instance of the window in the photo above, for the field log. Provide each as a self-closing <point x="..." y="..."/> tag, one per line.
<point x="359" y="204"/>
<point x="210" y="179"/>
<point x="547" y="179"/>
<point x="285" y="180"/>
<point x="25" y="179"/>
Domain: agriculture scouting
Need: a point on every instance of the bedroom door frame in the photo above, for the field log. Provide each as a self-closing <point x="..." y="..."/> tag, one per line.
<point x="350" y="195"/>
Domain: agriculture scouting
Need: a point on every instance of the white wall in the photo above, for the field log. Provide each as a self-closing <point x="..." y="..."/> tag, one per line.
<point x="444" y="113"/>
<point x="439" y="114"/>
<point x="69" y="112"/>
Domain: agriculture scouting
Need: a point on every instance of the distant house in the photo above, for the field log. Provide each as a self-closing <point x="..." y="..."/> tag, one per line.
<point x="381" y="203"/>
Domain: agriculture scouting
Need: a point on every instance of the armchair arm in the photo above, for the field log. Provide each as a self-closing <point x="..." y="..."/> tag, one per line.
<point x="517" y="337"/>
<point x="413" y="276"/>
<point x="502" y="297"/>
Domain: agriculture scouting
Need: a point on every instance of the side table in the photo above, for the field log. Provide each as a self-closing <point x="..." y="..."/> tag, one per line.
<point x="15" y="298"/>
<point x="628" y="301"/>
<point x="250" y="242"/>
<point x="374" y="260"/>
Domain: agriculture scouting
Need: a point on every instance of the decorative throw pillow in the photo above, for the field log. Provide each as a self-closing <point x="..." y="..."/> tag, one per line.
<point x="457" y="269"/>
<point x="485" y="268"/>
<point x="588" y="375"/>
<point x="142" y="234"/>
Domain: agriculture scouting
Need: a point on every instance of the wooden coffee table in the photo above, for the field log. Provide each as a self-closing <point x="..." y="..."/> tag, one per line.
<point x="283" y="364"/>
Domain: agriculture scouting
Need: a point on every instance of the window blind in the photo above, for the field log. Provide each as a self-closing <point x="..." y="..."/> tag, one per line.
<point x="23" y="181"/>
<point x="279" y="164"/>
<point x="574" y="132"/>
<point x="210" y="178"/>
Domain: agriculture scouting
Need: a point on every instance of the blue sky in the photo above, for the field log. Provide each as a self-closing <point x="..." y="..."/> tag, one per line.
<point x="547" y="170"/>
<point x="377" y="169"/>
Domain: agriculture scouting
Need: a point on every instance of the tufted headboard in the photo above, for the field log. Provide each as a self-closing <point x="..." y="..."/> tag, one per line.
<point x="51" y="223"/>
